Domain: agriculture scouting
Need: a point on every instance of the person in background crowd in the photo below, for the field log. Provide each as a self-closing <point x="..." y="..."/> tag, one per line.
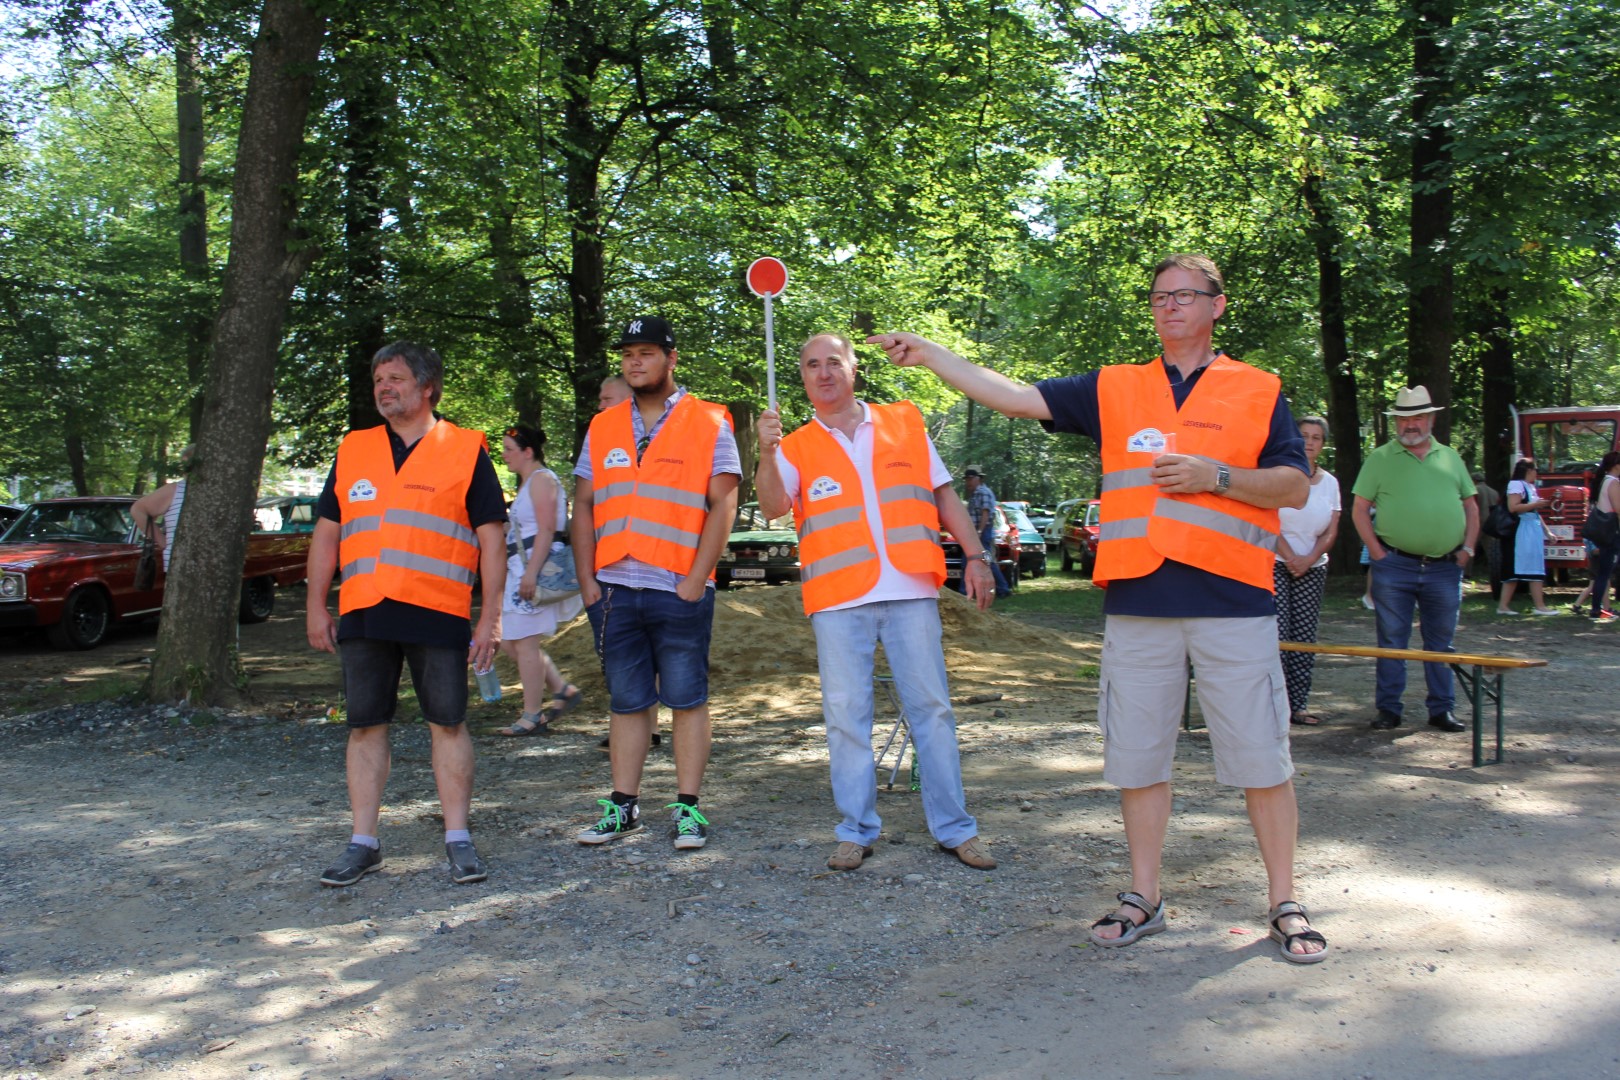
<point x="528" y="546"/>
<point x="614" y="390"/>
<point x="413" y="513"/>
<point x="1524" y="554"/>
<point x="1302" y="565"/>
<point x="1427" y="521"/>
<point x="163" y="504"/>
<point x="981" y="504"/>
<point x="1606" y="497"/>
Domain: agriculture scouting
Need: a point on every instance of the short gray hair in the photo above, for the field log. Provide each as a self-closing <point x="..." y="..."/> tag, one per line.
<point x="424" y="363"/>
<point x="1319" y="422"/>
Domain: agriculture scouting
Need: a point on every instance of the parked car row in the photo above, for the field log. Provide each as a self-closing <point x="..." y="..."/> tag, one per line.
<point x="67" y="566"/>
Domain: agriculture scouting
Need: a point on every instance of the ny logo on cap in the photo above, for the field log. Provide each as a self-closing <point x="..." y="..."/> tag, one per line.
<point x="635" y="327"/>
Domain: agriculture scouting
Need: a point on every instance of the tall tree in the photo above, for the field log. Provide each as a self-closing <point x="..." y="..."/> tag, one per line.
<point x="194" y="657"/>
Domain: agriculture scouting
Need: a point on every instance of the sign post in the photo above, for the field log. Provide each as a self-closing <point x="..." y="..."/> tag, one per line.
<point x="767" y="278"/>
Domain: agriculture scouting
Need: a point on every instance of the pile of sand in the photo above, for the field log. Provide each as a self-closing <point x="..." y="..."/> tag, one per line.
<point x="762" y="638"/>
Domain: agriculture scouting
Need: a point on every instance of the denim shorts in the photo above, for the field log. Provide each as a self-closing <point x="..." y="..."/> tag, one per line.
<point x="654" y="647"/>
<point x="371" y="670"/>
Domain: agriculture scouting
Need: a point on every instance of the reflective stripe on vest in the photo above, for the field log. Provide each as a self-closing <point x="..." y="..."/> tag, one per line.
<point x="840" y="562"/>
<point x="653" y="508"/>
<point x="1226" y="417"/>
<point x="405" y="536"/>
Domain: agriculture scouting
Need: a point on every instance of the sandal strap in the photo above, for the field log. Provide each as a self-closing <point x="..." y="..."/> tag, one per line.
<point x="1286" y="908"/>
<point x="1303" y="935"/>
<point x="1139" y="902"/>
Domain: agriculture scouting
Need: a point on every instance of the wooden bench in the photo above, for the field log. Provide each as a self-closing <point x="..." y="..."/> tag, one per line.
<point x="1481" y="677"/>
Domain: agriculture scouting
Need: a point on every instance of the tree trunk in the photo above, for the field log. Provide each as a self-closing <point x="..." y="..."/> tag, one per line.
<point x="195" y="647"/>
<point x="366" y="99"/>
<point x="1430" y="293"/>
<point x="584" y="144"/>
<point x="1343" y="408"/>
<point x="514" y="307"/>
<point x="193" y="210"/>
<point x="1498" y="385"/>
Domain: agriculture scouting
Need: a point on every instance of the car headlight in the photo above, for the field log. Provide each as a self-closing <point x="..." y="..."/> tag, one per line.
<point x="728" y="556"/>
<point x="13" y="587"/>
<point x="770" y="552"/>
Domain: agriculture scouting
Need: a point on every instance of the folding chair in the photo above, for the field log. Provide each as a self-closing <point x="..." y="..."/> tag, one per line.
<point x="901" y="731"/>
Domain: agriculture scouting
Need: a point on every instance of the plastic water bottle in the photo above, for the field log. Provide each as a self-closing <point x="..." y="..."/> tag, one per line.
<point x="489" y="683"/>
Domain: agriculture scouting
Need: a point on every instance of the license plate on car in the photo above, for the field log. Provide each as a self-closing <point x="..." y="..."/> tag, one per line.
<point x="749" y="572"/>
<point x="1560" y="552"/>
<point x="1561" y="532"/>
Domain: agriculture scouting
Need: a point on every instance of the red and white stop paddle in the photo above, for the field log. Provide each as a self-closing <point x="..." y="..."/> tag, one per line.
<point x="767" y="277"/>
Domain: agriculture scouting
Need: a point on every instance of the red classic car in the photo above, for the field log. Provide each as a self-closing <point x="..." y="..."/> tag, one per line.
<point x="67" y="566"/>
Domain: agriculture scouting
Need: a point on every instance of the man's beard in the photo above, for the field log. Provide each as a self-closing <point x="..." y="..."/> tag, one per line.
<point x="1413" y="439"/>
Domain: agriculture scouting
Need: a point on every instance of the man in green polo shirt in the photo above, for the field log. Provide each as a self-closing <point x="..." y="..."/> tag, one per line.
<point x="1428" y="519"/>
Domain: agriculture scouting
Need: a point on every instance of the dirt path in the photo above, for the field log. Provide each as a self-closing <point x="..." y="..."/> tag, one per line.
<point x="161" y="913"/>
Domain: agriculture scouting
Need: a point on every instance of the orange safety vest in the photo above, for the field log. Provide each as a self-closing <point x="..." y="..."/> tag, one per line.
<point x="1226" y="417"/>
<point x="405" y="535"/>
<point x="838" y="562"/>
<point x="653" y="508"/>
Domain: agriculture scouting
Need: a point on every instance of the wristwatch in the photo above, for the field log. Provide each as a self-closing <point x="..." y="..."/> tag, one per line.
<point x="1468" y="549"/>
<point x="983" y="556"/>
<point x="1223" y="479"/>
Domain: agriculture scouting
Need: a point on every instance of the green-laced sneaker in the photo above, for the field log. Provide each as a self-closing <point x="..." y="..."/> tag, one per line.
<point x="691" y="827"/>
<point x="616" y="821"/>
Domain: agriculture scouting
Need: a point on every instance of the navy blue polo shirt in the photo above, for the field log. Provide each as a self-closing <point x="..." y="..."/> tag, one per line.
<point x="1175" y="590"/>
<point x="395" y="620"/>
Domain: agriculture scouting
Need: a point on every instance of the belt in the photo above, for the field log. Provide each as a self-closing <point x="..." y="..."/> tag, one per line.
<point x="1450" y="556"/>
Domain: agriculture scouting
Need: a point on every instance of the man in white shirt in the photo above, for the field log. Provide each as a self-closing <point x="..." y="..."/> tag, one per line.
<point x="869" y="493"/>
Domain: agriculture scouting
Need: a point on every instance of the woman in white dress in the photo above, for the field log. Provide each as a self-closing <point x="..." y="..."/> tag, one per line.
<point x="1301" y="568"/>
<point x="1524" y="553"/>
<point x="524" y="622"/>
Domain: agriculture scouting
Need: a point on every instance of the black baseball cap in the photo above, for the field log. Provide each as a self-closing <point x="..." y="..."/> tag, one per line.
<point x="973" y="470"/>
<point x="647" y="330"/>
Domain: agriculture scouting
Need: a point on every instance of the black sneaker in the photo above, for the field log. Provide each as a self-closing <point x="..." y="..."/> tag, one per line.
<point x="465" y="865"/>
<point x="691" y="827"/>
<point x="616" y="821"/>
<point x="355" y="863"/>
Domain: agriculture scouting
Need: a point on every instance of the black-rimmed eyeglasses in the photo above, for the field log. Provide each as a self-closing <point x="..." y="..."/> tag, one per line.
<point x="1183" y="297"/>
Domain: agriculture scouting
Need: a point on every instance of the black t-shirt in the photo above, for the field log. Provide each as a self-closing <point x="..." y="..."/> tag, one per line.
<point x="394" y="620"/>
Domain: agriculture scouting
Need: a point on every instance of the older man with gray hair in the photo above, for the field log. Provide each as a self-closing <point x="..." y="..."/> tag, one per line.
<point x="1428" y="520"/>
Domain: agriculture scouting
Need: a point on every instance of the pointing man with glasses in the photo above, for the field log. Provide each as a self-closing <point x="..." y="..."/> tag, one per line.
<point x="654" y="500"/>
<point x="1198" y="453"/>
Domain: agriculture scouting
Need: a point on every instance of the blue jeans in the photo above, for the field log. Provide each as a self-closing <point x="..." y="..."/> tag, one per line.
<point x="654" y="647"/>
<point x="988" y="542"/>
<point x="846" y="641"/>
<point x="1400" y="584"/>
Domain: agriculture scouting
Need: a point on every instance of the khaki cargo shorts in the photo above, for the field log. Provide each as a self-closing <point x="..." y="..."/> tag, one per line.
<point x="1241" y="691"/>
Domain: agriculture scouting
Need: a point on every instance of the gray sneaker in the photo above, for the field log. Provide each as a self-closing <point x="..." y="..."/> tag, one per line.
<point x="355" y="863"/>
<point x="465" y="865"/>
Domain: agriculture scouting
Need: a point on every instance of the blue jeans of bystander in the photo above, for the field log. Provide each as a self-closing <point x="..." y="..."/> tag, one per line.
<point x="1434" y="588"/>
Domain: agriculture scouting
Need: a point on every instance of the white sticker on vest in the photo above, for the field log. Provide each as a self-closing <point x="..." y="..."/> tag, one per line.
<point x="362" y="491"/>
<point x="825" y="487"/>
<point x="1149" y="441"/>
<point x="616" y="459"/>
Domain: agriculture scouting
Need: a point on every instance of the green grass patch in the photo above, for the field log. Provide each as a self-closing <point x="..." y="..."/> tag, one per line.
<point x="1056" y="593"/>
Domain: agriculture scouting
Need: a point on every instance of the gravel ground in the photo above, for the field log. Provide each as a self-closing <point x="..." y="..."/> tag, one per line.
<point x="161" y="913"/>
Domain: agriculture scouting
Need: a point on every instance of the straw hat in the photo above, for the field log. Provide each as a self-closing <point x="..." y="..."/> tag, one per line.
<point x="1413" y="401"/>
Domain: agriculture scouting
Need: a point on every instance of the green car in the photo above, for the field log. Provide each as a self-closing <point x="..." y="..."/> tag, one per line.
<point x="760" y="549"/>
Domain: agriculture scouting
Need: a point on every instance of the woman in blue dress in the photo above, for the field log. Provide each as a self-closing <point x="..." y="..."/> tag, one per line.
<point x="1524" y="557"/>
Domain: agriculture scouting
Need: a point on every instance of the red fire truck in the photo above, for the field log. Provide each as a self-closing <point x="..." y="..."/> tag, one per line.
<point x="1566" y="445"/>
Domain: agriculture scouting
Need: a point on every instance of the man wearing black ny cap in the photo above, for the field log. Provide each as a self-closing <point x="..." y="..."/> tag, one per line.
<point x="655" y="494"/>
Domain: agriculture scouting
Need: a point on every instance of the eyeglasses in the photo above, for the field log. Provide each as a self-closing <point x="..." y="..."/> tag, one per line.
<point x="641" y="447"/>
<point x="517" y="436"/>
<point x="1183" y="297"/>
